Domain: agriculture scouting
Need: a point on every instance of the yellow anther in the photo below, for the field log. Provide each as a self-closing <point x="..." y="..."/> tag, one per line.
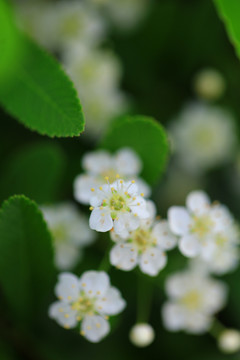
<point x="100" y="187"/>
<point x="152" y="254"/>
<point x="142" y="194"/>
<point x="66" y="316"/>
<point x="98" y="325"/>
<point x="60" y="297"/>
<point x="90" y="292"/>
<point x="112" y="207"/>
<point x="102" y="214"/>
<point x="101" y="207"/>
<point x="66" y="326"/>
<point x="83" y="284"/>
<point x="106" y="317"/>
<point x="78" y="318"/>
<point x="134" y="198"/>
<point x="132" y="260"/>
<point x="117" y="176"/>
<point x="98" y="292"/>
<point x="92" y="189"/>
<point x="100" y="307"/>
<point x="133" y="181"/>
<point x="104" y="299"/>
<point x="82" y="332"/>
<point x="138" y="203"/>
<point x="135" y="215"/>
<point x="121" y="181"/>
<point x="60" y="310"/>
<point x="69" y="298"/>
<point x="89" y="327"/>
<point x="126" y="193"/>
<point x="106" y="178"/>
<point x="91" y="208"/>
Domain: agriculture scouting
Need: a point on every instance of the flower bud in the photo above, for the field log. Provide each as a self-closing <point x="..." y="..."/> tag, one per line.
<point x="209" y="84"/>
<point x="142" y="335"/>
<point x="229" y="341"/>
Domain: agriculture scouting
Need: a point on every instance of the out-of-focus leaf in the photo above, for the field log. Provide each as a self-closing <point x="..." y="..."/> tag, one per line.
<point x="42" y="97"/>
<point x="35" y="171"/>
<point x="229" y="11"/>
<point x="9" y="43"/>
<point x="146" y="136"/>
<point x="26" y="261"/>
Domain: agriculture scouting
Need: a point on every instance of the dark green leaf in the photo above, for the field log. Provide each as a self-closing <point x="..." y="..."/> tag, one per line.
<point x="42" y="97"/>
<point x="26" y="261"/>
<point x="35" y="171"/>
<point x="146" y="136"/>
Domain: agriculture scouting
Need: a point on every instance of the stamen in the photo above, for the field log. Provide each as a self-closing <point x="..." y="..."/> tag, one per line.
<point x="92" y="189"/>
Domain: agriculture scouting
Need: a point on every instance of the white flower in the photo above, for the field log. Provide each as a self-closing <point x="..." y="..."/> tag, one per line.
<point x="229" y="341"/>
<point x="194" y="299"/>
<point x="117" y="205"/>
<point x="209" y="84"/>
<point x="206" y="230"/>
<point x="96" y="74"/>
<point x="203" y="137"/>
<point x="89" y="300"/>
<point x="99" y="164"/>
<point x="70" y="233"/>
<point x="142" y="335"/>
<point x="144" y="246"/>
<point x="57" y="25"/>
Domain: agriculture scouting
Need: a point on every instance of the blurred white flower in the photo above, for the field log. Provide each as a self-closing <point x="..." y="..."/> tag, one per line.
<point x="100" y="164"/>
<point x="96" y="74"/>
<point x="229" y="341"/>
<point x="142" y="334"/>
<point x="89" y="300"/>
<point x="118" y="205"/>
<point x="124" y="14"/>
<point x="144" y="246"/>
<point x="203" y="136"/>
<point x="57" y="25"/>
<point x="194" y="299"/>
<point x="70" y="231"/>
<point x="209" y="84"/>
<point x="206" y="230"/>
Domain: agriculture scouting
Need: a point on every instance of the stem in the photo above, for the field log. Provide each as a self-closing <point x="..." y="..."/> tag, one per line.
<point x="144" y="298"/>
<point x="105" y="263"/>
<point x="216" y="329"/>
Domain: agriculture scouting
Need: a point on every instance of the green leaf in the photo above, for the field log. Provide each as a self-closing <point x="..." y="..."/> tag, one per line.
<point x="9" y="42"/>
<point x="35" y="171"/>
<point x="146" y="136"/>
<point x="229" y="11"/>
<point x="26" y="261"/>
<point x="42" y="97"/>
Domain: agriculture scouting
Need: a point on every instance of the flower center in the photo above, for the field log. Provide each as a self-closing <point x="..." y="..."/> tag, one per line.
<point x="201" y="225"/>
<point x="192" y="300"/>
<point x="71" y="25"/>
<point x="117" y="202"/>
<point x="83" y="305"/>
<point x="143" y="239"/>
<point x="59" y="234"/>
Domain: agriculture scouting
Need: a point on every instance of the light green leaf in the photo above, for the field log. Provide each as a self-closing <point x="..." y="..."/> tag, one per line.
<point x="9" y="43"/>
<point x="35" y="171"/>
<point x="42" y="97"/>
<point x="26" y="261"/>
<point x="146" y="136"/>
<point x="229" y="11"/>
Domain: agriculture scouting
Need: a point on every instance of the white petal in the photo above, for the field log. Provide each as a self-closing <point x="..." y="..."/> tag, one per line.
<point x="94" y="283"/>
<point x="66" y="256"/>
<point x="63" y="314"/>
<point x="112" y="303"/>
<point x="124" y="256"/>
<point x="95" y="328"/>
<point x="176" y="285"/>
<point x="82" y="188"/>
<point x="67" y="288"/>
<point x="198" y="202"/>
<point x="179" y="220"/>
<point x="173" y="316"/>
<point x="197" y="323"/>
<point x="165" y="238"/>
<point x="127" y="162"/>
<point x="189" y="246"/>
<point x="152" y="261"/>
<point x="100" y="220"/>
<point x="97" y="162"/>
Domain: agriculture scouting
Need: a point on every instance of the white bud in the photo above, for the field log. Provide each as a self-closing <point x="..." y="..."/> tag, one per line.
<point x="229" y="341"/>
<point x="142" y="335"/>
<point x="209" y="84"/>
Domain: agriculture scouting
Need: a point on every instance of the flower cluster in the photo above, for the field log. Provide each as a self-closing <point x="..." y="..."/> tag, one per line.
<point x="70" y="233"/>
<point x="88" y="300"/>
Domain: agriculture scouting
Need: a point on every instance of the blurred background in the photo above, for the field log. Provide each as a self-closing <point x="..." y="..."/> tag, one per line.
<point x="154" y="55"/>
